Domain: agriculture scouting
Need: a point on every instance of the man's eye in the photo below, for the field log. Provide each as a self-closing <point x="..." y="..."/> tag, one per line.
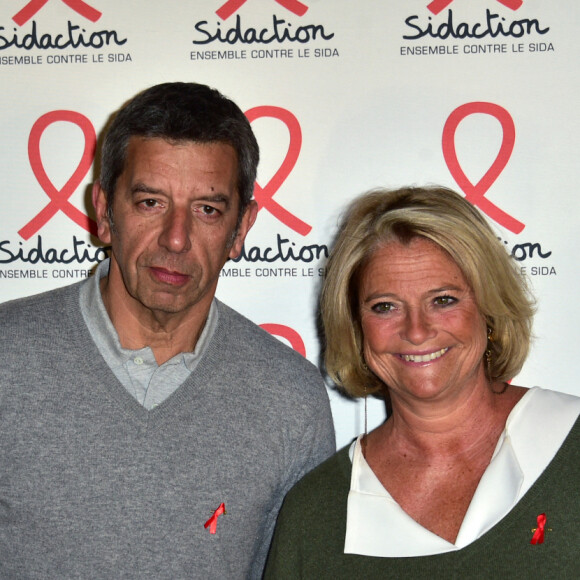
<point x="209" y="210"/>
<point x="149" y="202"/>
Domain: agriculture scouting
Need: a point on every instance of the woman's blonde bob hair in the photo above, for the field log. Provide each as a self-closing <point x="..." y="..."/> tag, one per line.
<point x="447" y="219"/>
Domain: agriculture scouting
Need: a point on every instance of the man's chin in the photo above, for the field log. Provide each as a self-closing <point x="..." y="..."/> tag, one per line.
<point x="167" y="305"/>
<point x="172" y="301"/>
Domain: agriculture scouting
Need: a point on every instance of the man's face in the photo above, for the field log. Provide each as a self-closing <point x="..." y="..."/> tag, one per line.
<point x="175" y="212"/>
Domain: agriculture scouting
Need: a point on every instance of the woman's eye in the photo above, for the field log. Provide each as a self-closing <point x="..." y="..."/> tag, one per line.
<point x="444" y="300"/>
<point x="382" y="307"/>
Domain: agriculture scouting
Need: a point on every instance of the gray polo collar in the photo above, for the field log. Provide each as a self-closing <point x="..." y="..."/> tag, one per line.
<point x="106" y="338"/>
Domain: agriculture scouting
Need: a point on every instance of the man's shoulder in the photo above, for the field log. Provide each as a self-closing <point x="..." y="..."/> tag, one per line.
<point x="266" y="365"/>
<point x="275" y="383"/>
<point x="50" y="305"/>
<point x="253" y="340"/>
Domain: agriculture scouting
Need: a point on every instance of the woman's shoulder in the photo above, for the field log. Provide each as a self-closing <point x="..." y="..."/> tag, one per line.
<point x="552" y="414"/>
<point x="547" y="402"/>
<point x="310" y="528"/>
<point x="323" y="483"/>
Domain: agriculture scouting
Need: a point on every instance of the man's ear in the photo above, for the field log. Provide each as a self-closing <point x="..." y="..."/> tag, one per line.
<point x="101" y="207"/>
<point x="246" y="224"/>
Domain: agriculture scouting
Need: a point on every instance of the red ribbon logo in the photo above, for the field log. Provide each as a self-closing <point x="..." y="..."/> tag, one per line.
<point x="437" y="5"/>
<point x="264" y="195"/>
<point x="232" y="6"/>
<point x="59" y="199"/>
<point x="34" y="6"/>
<point x="212" y="522"/>
<point x="289" y="334"/>
<point x="476" y="193"/>
<point x="539" y="532"/>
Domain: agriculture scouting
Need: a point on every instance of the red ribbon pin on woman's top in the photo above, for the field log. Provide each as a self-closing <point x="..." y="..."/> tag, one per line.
<point x="539" y="533"/>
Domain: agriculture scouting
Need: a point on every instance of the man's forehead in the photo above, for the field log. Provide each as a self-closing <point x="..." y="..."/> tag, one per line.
<point x="216" y="155"/>
<point x="136" y="142"/>
<point x="141" y="171"/>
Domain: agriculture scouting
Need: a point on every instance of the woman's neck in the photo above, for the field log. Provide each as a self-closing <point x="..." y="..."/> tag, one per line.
<point x="430" y="430"/>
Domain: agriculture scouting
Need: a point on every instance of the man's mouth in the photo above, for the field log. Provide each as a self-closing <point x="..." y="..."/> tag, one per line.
<point x="170" y="277"/>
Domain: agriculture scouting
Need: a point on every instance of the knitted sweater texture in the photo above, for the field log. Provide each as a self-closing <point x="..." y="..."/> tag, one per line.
<point x="309" y="538"/>
<point x="92" y="485"/>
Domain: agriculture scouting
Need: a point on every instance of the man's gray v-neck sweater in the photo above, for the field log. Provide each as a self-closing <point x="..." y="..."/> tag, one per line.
<point x="92" y="485"/>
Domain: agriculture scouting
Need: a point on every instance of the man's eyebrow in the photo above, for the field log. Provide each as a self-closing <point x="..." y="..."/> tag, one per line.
<point x="216" y="197"/>
<point x="140" y="187"/>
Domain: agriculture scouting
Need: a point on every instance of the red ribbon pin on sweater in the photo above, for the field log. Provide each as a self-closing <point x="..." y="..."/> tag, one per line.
<point x="212" y="522"/>
<point x="539" y="532"/>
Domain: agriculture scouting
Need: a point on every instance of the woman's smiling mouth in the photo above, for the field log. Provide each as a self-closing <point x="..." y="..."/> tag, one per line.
<point x="424" y="357"/>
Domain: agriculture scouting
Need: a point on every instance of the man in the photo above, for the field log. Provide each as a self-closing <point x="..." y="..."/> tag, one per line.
<point x="146" y="429"/>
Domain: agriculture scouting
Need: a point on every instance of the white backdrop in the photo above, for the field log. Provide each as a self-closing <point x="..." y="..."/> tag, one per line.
<point x="478" y="95"/>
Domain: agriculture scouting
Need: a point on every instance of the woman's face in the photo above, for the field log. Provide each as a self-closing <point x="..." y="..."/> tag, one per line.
<point x="423" y="333"/>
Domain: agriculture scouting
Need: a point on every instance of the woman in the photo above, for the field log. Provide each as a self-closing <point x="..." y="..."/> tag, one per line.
<point x="470" y="476"/>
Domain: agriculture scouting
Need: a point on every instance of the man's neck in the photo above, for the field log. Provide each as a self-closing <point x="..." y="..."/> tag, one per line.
<point x="165" y="333"/>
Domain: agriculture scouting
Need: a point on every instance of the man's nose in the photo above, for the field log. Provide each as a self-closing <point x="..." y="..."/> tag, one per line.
<point x="176" y="233"/>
